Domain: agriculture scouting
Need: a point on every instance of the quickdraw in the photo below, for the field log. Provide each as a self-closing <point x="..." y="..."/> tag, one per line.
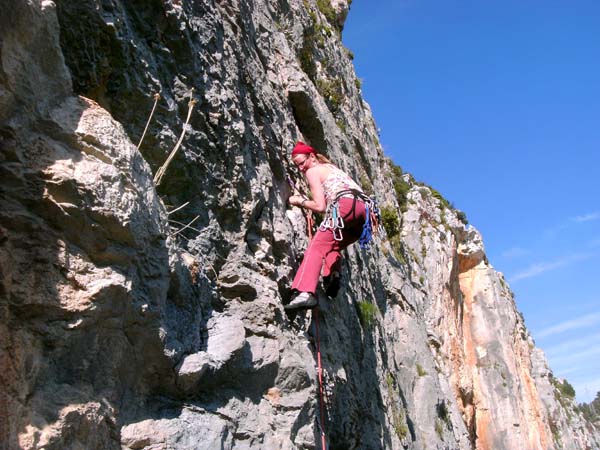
<point x="335" y="222"/>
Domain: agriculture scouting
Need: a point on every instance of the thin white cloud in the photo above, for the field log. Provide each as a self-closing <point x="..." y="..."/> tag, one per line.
<point x="543" y="267"/>
<point x="569" y="346"/>
<point x="562" y="373"/>
<point x="586" y="390"/>
<point x="574" y="359"/>
<point x="587" y="217"/>
<point x="577" y="323"/>
<point x="552" y="232"/>
<point x="515" y="252"/>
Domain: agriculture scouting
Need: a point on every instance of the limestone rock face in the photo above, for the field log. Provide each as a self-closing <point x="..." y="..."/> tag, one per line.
<point x="136" y="316"/>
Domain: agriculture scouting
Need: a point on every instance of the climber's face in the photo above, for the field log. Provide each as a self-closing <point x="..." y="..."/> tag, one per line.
<point x="303" y="162"/>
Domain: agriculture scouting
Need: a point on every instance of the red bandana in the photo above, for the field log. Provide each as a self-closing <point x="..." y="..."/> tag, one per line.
<point x="302" y="149"/>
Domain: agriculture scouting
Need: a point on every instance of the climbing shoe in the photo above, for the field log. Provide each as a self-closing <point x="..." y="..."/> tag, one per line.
<point x="331" y="284"/>
<point x="302" y="300"/>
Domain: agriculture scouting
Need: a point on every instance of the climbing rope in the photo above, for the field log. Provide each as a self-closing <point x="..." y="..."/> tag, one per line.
<point x="309" y="225"/>
<point x="320" y="376"/>
<point x="367" y="232"/>
<point x="156" y="99"/>
<point x="310" y="222"/>
<point x="163" y="168"/>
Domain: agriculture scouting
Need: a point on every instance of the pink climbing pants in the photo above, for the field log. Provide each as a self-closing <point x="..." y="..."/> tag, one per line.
<point x="324" y="252"/>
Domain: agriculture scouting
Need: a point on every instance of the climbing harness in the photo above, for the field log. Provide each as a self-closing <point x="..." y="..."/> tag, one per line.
<point x="335" y="222"/>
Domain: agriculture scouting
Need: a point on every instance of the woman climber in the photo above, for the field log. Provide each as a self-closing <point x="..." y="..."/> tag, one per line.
<point x="343" y="201"/>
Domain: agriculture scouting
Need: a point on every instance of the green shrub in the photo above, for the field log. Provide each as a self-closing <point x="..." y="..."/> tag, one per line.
<point x="439" y="196"/>
<point x="400" y="427"/>
<point x="328" y="11"/>
<point x="389" y="217"/>
<point x="332" y="92"/>
<point x="313" y="37"/>
<point x="443" y="220"/>
<point x="389" y="379"/>
<point x="420" y="371"/>
<point x="401" y="187"/>
<point x="461" y="216"/>
<point x="398" y="416"/>
<point x="565" y="388"/>
<point x="367" y="312"/>
<point x="306" y="56"/>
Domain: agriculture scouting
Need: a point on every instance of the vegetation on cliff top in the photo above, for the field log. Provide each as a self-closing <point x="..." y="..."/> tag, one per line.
<point x="591" y="411"/>
<point x="402" y="187"/>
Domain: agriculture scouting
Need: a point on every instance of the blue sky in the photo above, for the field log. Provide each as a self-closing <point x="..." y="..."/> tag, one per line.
<point x="496" y="104"/>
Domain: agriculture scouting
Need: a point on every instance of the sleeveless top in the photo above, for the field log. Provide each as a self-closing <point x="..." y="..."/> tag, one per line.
<point x="337" y="181"/>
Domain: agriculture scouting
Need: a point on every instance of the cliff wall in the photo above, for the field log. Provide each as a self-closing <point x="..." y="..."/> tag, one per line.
<point x="145" y="315"/>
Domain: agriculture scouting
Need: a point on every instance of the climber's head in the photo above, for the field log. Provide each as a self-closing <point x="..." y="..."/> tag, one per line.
<point x="304" y="156"/>
<point x="302" y="149"/>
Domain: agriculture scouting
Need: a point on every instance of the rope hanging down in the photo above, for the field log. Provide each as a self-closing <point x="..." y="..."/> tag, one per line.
<point x="163" y="168"/>
<point x="320" y="376"/>
<point x="156" y="99"/>
<point x="321" y="422"/>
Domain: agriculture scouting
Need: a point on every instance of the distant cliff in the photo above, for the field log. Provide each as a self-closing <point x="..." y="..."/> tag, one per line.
<point x="138" y="314"/>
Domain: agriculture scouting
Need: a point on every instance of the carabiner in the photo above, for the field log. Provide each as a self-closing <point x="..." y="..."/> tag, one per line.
<point x="327" y="223"/>
<point x="337" y="234"/>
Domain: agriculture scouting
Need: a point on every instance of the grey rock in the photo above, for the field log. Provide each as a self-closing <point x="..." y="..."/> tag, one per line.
<point x="226" y="340"/>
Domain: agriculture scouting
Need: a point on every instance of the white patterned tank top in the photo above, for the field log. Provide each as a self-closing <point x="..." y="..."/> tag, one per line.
<point x="337" y="181"/>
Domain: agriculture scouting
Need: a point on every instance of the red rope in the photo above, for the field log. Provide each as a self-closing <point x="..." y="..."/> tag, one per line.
<point x="320" y="373"/>
<point x="309" y="224"/>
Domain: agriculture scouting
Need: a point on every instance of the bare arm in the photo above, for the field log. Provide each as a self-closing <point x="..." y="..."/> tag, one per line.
<point x="314" y="177"/>
<point x="317" y="203"/>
